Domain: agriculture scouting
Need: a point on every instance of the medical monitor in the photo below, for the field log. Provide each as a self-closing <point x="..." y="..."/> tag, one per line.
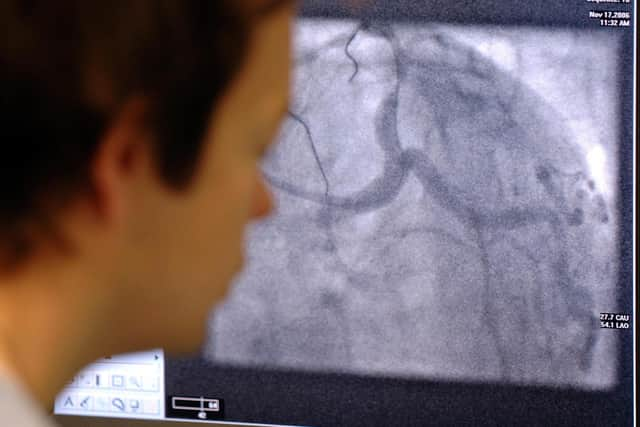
<point x="453" y="237"/>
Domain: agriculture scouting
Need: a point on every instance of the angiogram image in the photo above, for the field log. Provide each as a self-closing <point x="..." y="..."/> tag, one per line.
<point x="446" y="209"/>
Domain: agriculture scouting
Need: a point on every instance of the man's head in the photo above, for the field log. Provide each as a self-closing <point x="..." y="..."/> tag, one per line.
<point x="136" y="129"/>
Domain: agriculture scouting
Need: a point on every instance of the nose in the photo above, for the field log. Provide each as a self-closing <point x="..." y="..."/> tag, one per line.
<point x="262" y="201"/>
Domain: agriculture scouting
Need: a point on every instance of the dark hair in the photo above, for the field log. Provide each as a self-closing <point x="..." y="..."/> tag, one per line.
<point x="65" y="68"/>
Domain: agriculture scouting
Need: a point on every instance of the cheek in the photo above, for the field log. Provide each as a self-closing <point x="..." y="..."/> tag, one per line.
<point x="225" y="198"/>
<point x="224" y="212"/>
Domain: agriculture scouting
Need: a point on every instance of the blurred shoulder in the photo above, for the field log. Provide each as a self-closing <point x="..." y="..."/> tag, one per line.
<point x="17" y="408"/>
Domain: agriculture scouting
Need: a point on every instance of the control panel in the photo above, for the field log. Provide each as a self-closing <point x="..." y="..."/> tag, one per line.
<point x="130" y="385"/>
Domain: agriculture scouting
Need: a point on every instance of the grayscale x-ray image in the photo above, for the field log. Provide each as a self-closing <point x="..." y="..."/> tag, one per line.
<point x="446" y="209"/>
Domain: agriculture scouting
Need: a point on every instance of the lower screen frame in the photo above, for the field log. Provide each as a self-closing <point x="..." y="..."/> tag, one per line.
<point x="331" y="400"/>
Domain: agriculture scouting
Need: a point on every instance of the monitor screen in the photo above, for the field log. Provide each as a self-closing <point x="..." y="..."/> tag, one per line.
<point x="453" y="235"/>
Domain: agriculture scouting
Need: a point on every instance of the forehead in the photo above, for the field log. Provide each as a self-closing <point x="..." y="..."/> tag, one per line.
<point x="262" y="85"/>
<point x="257" y="8"/>
<point x="269" y="46"/>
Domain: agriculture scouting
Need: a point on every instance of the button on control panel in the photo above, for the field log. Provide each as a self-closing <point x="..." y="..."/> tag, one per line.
<point x="201" y="408"/>
<point x="130" y="385"/>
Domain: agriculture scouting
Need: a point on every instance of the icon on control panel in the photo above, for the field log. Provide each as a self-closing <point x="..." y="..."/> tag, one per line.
<point x="118" y="403"/>
<point x="68" y="402"/>
<point x="135" y="382"/>
<point x="117" y="381"/>
<point x="86" y="403"/>
<point x="102" y="404"/>
<point x="100" y="381"/>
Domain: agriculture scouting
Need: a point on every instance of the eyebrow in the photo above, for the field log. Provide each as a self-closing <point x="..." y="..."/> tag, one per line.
<point x="283" y="110"/>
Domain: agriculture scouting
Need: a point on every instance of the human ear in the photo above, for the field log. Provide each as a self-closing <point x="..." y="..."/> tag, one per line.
<point x="122" y="157"/>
